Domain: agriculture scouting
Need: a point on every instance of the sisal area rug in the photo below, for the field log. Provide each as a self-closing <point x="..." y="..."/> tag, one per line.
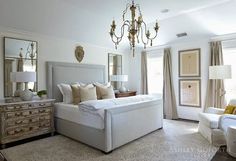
<point x="177" y="141"/>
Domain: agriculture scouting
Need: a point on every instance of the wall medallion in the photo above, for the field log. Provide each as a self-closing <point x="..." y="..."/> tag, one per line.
<point x="79" y="53"/>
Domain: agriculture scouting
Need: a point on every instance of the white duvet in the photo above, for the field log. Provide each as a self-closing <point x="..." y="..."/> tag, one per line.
<point x="98" y="106"/>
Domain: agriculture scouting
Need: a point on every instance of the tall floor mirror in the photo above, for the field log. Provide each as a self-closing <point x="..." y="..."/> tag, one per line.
<point x="114" y="68"/>
<point x="19" y="56"/>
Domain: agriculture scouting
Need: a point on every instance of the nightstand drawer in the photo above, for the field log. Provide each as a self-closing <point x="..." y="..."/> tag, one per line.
<point x="10" y="115"/>
<point x="17" y="107"/>
<point x="44" y="117"/>
<point x="44" y="110"/>
<point x="25" y="113"/>
<point x="10" y="123"/>
<point x="43" y="104"/>
<point x="45" y="124"/>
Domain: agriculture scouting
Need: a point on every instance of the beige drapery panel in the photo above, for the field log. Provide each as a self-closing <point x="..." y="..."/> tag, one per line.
<point x="215" y="88"/>
<point x="144" y="73"/>
<point x="169" y="100"/>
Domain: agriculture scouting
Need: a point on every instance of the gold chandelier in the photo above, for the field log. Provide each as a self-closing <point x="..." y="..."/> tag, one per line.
<point x="136" y="28"/>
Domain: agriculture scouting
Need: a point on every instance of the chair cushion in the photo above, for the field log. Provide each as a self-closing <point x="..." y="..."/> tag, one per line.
<point x="210" y="120"/>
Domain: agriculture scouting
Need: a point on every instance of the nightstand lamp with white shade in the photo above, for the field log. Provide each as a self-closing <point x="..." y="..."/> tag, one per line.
<point x="24" y="77"/>
<point x="220" y="72"/>
<point x="120" y="78"/>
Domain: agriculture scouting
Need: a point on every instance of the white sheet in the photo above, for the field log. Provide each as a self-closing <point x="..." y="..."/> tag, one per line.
<point x="99" y="106"/>
<point x="94" y="105"/>
<point x="72" y="113"/>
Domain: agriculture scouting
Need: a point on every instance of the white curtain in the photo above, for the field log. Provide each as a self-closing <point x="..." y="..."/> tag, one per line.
<point x="169" y="100"/>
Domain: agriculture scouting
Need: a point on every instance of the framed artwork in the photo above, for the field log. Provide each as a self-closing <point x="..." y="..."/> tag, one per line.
<point x="190" y="92"/>
<point x="189" y="63"/>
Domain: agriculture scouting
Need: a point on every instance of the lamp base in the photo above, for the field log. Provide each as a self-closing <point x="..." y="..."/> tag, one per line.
<point x="18" y="92"/>
<point x="26" y="95"/>
<point x="122" y="89"/>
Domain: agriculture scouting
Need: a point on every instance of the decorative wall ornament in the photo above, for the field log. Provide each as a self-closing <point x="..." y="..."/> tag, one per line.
<point x="79" y="53"/>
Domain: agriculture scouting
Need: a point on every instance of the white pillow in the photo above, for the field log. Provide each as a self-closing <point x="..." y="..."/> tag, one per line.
<point x="87" y="93"/>
<point x="66" y="92"/>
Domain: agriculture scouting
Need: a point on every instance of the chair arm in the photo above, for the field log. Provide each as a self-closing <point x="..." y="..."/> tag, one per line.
<point x="214" y="110"/>
<point x="227" y="120"/>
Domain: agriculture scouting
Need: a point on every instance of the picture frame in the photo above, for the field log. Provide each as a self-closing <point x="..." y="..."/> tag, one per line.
<point x="190" y="63"/>
<point x="190" y="92"/>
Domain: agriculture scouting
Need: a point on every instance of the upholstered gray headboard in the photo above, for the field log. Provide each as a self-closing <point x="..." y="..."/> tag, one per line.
<point x="59" y="72"/>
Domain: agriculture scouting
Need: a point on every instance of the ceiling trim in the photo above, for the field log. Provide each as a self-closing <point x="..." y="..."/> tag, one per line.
<point x="197" y="9"/>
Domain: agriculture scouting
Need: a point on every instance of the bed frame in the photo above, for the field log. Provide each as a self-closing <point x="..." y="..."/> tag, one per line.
<point x="121" y="125"/>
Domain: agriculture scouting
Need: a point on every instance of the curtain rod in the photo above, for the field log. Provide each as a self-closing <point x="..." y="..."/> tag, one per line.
<point x="225" y="40"/>
<point x="229" y="37"/>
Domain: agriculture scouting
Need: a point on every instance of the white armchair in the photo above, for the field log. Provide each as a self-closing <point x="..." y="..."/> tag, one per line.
<point x="227" y="120"/>
<point x="213" y="124"/>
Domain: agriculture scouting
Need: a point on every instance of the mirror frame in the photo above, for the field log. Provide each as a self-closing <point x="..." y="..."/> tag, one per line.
<point x="4" y="56"/>
<point x="109" y="54"/>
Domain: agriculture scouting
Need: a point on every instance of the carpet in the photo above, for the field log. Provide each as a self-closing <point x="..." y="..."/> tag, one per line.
<point x="177" y="141"/>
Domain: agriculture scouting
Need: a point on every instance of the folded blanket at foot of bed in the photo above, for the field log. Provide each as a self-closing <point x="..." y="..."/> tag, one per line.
<point x="98" y="106"/>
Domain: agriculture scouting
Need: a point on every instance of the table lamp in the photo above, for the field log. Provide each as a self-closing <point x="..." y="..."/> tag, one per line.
<point x="220" y="72"/>
<point x="120" y="78"/>
<point x="24" y="77"/>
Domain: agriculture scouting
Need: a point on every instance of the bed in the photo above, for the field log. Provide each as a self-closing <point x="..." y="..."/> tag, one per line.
<point x="119" y="125"/>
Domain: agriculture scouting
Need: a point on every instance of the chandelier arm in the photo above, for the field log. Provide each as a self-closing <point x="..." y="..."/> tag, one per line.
<point x="138" y="31"/>
<point x="122" y="31"/>
<point x="146" y="32"/>
<point x="145" y="43"/>
<point x="115" y="42"/>
<point x="139" y="10"/>
<point x="153" y="37"/>
<point x="127" y="21"/>
<point x="126" y="9"/>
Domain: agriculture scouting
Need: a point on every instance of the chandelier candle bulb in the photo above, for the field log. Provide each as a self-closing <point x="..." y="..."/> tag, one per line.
<point x="136" y="28"/>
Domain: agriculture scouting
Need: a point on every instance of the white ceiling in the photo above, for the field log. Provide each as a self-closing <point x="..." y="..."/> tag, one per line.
<point x="89" y="21"/>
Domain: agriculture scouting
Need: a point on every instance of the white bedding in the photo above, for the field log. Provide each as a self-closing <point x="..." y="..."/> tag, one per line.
<point x="98" y="106"/>
<point x="72" y="113"/>
<point x="91" y="113"/>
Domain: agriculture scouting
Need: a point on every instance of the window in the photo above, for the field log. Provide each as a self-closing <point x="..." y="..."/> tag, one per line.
<point x="155" y="72"/>
<point x="229" y="56"/>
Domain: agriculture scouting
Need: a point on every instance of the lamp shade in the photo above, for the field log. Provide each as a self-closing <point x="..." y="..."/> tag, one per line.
<point x="220" y="72"/>
<point x="119" y="78"/>
<point x="23" y="76"/>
